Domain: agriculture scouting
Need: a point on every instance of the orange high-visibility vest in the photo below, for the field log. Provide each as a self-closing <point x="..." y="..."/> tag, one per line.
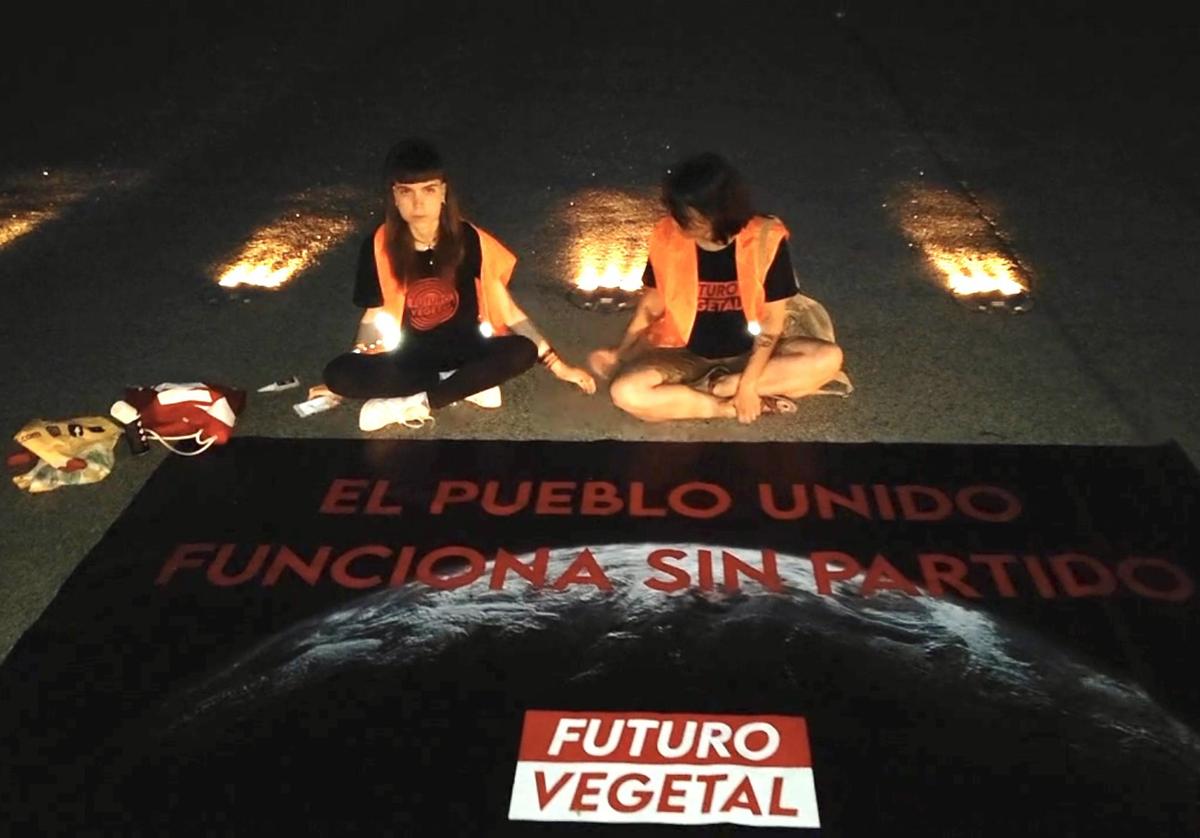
<point x="495" y="271"/>
<point x="676" y="274"/>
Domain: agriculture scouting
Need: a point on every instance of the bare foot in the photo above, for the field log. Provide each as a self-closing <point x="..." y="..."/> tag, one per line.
<point x="725" y="386"/>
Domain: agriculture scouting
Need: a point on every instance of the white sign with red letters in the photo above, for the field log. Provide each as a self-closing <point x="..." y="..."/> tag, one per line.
<point x="678" y="768"/>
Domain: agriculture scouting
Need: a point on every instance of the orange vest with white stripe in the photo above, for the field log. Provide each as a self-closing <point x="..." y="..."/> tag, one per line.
<point x="495" y="271"/>
<point x="676" y="274"/>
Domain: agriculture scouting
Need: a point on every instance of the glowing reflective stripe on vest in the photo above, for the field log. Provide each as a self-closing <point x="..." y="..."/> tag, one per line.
<point x="495" y="271"/>
<point x="676" y="274"/>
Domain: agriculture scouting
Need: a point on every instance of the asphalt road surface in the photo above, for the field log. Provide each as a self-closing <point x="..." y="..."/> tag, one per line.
<point x="145" y="145"/>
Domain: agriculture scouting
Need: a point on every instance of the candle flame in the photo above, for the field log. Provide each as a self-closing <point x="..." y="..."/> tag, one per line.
<point x="260" y="275"/>
<point x="977" y="273"/>
<point x="389" y="330"/>
<point x="609" y="273"/>
<point x="958" y="241"/>
<point x="277" y="252"/>
<point x="18" y="224"/>
<point x="609" y="230"/>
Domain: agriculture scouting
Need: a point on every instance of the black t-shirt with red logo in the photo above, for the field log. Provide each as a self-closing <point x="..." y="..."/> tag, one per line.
<point x="437" y="312"/>
<point x="720" y="330"/>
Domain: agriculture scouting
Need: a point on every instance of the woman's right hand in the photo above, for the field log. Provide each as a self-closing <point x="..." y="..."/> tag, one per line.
<point x="574" y="375"/>
<point x="371" y="339"/>
<point x="603" y="361"/>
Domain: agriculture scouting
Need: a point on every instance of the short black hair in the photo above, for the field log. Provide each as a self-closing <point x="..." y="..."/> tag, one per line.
<point x="411" y="161"/>
<point x="710" y="185"/>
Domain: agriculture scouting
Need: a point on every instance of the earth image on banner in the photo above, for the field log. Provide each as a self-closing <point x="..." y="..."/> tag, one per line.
<point x="402" y="709"/>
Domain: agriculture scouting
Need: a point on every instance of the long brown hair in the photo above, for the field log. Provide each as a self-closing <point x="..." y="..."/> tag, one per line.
<point x="415" y="161"/>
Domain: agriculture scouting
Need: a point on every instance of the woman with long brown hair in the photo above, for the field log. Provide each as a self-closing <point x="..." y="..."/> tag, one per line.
<point x="440" y="284"/>
<point x="720" y="330"/>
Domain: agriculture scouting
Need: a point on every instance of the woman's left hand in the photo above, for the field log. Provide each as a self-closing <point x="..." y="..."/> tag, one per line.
<point x="573" y="375"/>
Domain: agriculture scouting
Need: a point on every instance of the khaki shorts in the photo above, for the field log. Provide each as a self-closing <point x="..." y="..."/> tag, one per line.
<point x="805" y="319"/>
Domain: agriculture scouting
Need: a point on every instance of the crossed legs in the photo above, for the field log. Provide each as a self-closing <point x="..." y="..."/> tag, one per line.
<point x="800" y="366"/>
<point x="407" y="371"/>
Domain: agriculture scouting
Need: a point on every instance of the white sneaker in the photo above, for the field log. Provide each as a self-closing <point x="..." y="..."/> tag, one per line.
<point x="416" y="412"/>
<point x="489" y="398"/>
<point x="375" y="414"/>
<point x="410" y="411"/>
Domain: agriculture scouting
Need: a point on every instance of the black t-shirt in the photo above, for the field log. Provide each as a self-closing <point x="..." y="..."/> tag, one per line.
<point x="437" y="312"/>
<point x="720" y="328"/>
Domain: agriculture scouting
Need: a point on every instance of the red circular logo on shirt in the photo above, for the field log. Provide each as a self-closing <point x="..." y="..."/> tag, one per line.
<point x="430" y="303"/>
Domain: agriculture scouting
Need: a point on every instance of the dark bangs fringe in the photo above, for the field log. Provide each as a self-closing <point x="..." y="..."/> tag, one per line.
<point x="708" y="184"/>
<point x="448" y="252"/>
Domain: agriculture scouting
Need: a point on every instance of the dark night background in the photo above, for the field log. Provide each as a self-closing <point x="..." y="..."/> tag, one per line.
<point x="154" y="139"/>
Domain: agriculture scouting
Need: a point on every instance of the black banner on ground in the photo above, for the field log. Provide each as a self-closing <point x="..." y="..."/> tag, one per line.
<point x="492" y="638"/>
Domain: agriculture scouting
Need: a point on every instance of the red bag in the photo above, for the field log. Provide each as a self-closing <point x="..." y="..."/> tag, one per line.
<point x="203" y="414"/>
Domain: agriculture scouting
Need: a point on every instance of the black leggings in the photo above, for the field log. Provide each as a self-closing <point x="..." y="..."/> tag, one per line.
<point x="411" y="369"/>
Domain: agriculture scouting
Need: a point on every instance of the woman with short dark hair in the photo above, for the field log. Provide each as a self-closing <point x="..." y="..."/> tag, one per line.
<point x="716" y="333"/>
<point x="440" y="325"/>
